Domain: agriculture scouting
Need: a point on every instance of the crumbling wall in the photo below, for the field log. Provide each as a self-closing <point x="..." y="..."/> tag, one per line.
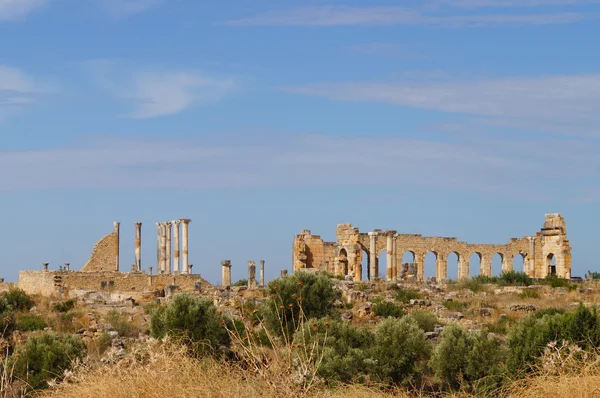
<point x="104" y="255"/>
<point x="37" y="282"/>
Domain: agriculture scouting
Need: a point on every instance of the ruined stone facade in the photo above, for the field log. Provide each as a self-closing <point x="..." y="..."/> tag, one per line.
<point x="104" y="255"/>
<point x="548" y="252"/>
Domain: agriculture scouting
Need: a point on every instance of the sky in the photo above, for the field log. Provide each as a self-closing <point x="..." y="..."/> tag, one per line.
<point x="465" y="118"/>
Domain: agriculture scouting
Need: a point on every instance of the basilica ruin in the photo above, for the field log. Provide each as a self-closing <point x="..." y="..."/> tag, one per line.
<point x="546" y="253"/>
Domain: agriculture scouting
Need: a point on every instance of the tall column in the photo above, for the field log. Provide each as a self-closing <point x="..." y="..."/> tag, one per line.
<point x="389" y="255"/>
<point x="176" y="246"/>
<point x="138" y="246"/>
<point x="226" y="273"/>
<point x="163" y="248"/>
<point x="158" y="228"/>
<point x="463" y="267"/>
<point x="373" y="271"/>
<point x="168" y="225"/>
<point x="251" y="275"/>
<point x="262" y="273"/>
<point x="185" y="266"/>
<point x="394" y="259"/>
<point x="284" y="272"/>
<point x="529" y="262"/>
<point x="117" y="225"/>
<point x="45" y="266"/>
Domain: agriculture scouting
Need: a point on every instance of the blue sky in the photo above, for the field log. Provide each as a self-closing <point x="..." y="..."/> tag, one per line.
<point x="467" y="118"/>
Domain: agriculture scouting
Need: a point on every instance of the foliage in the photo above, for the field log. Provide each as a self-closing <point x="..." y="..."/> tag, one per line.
<point x="456" y="305"/>
<point x="7" y="318"/>
<point x="404" y="295"/>
<point x="549" y="311"/>
<point x="387" y="309"/>
<point x="471" y="359"/>
<point x="529" y="293"/>
<point x="45" y="356"/>
<point x="194" y="320"/>
<point x="594" y="275"/>
<point x="241" y="282"/>
<point x="121" y="324"/>
<point x="501" y="326"/>
<point x="343" y="349"/>
<point x="474" y="284"/>
<point x="299" y="296"/>
<point x="513" y="278"/>
<point x="103" y="342"/>
<point x="554" y="281"/>
<point x="64" y="306"/>
<point x="18" y="299"/>
<point x="30" y="322"/>
<point x="400" y="350"/>
<point x="426" y="320"/>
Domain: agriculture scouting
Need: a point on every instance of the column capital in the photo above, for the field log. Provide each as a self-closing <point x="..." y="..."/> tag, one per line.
<point x="185" y="221"/>
<point x="168" y="223"/>
<point x="176" y="222"/>
<point x="226" y="263"/>
<point x="262" y="262"/>
<point x="138" y="224"/>
<point x="390" y="232"/>
<point x="373" y="233"/>
<point x="251" y="263"/>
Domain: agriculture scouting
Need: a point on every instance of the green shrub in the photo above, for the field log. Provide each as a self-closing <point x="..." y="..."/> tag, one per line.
<point x="472" y="284"/>
<point x="529" y="293"/>
<point x="103" y="342"/>
<point x="468" y="359"/>
<point x="241" y="282"/>
<point x="555" y="281"/>
<point x="425" y="320"/>
<point x="45" y="356"/>
<point x="344" y="348"/>
<point x="387" y="309"/>
<point x="549" y="311"/>
<point x="456" y="305"/>
<point x="121" y="324"/>
<point x="194" y="320"/>
<point x="297" y="297"/>
<point x="513" y="278"/>
<point x="501" y="326"/>
<point x="404" y="295"/>
<point x="8" y="321"/>
<point x="64" y="306"/>
<point x="30" y="322"/>
<point x="400" y="350"/>
<point x="18" y="300"/>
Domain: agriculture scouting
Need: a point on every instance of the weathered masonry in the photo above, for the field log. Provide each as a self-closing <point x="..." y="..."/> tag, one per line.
<point x="546" y="253"/>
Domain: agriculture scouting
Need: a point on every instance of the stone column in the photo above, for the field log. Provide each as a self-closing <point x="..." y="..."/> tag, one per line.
<point x="117" y="227"/>
<point x="168" y="225"/>
<point x="373" y="271"/>
<point x="394" y="259"/>
<point x="163" y="248"/>
<point x="226" y="273"/>
<point x="185" y="266"/>
<point x="67" y="266"/>
<point x="158" y="229"/>
<point x="420" y="263"/>
<point x="284" y="272"/>
<point x="529" y="262"/>
<point x="463" y="267"/>
<point x="45" y="266"/>
<point x="389" y="254"/>
<point x="251" y="275"/>
<point x="441" y="268"/>
<point x="486" y="264"/>
<point x="176" y="246"/>
<point x="262" y="273"/>
<point x="138" y="246"/>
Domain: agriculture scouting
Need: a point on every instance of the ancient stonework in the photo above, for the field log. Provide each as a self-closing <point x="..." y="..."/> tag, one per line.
<point x="548" y="252"/>
<point x="103" y="257"/>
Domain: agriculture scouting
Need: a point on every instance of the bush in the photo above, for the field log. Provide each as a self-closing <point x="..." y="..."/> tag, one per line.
<point x="529" y="293"/>
<point x="30" y="322"/>
<point x="297" y="297"/>
<point x="405" y="295"/>
<point x="473" y="284"/>
<point x="241" y="282"/>
<point x="513" y="278"/>
<point x="470" y="359"/>
<point x="387" y="309"/>
<point x="400" y="350"/>
<point x="501" y="326"/>
<point x="64" y="306"/>
<point x="7" y="318"/>
<point x="45" y="356"/>
<point x="425" y="320"/>
<point x="456" y="305"/>
<point x="18" y="300"/>
<point x="344" y="348"/>
<point x="555" y="281"/>
<point x="194" y="320"/>
<point x="121" y="324"/>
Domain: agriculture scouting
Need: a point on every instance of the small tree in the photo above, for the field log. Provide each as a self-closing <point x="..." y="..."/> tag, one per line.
<point x="302" y="295"/>
<point x="18" y="299"/>
<point x="45" y="356"/>
<point x="194" y="320"/>
<point x="450" y="358"/>
<point x="7" y="318"/>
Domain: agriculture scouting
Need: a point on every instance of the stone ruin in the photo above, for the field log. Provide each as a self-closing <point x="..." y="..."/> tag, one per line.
<point x="546" y="253"/>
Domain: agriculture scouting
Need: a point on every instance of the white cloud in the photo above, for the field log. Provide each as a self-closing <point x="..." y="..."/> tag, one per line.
<point x="557" y="100"/>
<point x="15" y="9"/>
<point x="484" y="166"/>
<point x="344" y="15"/>
<point x="160" y="94"/>
<point x="17" y="90"/>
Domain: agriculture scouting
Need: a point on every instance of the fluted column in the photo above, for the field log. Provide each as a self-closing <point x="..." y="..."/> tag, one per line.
<point x="262" y="273"/>
<point x="117" y="226"/>
<point x="138" y="246"/>
<point x="185" y="266"/>
<point x="168" y="227"/>
<point x="158" y="228"/>
<point x="373" y="271"/>
<point x="251" y="275"/>
<point x="226" y="273"/>
<point x="176" y="246"/>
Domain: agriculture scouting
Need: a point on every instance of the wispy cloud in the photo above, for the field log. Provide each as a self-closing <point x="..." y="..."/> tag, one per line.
<point x="125" y="8"/>
<point x="17" y="90"/>
<point x="345" y="15"/>
<point x="306" y="161"/>
<point x="566" y="100"/>
<point x="514" y="3"/>
<point x="15" y="9"/>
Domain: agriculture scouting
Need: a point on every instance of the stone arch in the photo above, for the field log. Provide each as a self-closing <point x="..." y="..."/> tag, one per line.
<point x="551" y="264"/>
<point x="343" y="262"/>
<point x="427" y="267"/>
<point x="497" y="263"/>
<point x="452" y="266"/>
<point x="475" y="262"/>
<point x="518" y="262"/>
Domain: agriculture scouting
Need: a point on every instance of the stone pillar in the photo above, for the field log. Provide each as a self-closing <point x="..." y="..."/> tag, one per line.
<point x="373" y="271"/>
<point x="441" y="268"/>
<point x="389" y="254"/>
<point x="117" y="227"/>
<point x="529" y="262"/>
<point x="158" y="229"/>
<point x="45" y="265"/>
<point x="486" y="264"/>
<point x="185" y="266"/>
<point x="420" y="264"/>
<point x="251" y="275"/>
<point x="226" y="273"/>
<point x="168" y="246"/>
<point x="138" y="246"/>
<point x="163" y="248"/>
<point x="176" y="246"/>
<point x="463" y="268"/>
<point x="284" y="272"/>
<point x="67" y="266"/>
<point x="262" y="273"/>
<point x="394" y="259"/>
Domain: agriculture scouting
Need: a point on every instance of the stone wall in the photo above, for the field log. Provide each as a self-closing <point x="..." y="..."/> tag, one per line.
<point x="104" y="255"/>
<point x="344" y="257"/>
